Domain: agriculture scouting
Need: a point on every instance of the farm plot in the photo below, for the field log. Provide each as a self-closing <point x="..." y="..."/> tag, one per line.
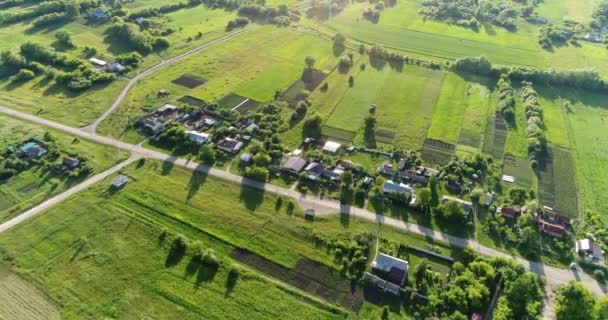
<point x="546" y="179"/>
<point x="103" y="248"/>
<point x="238" y="103"/>
<point x="252" y="66"/>
<point x="437" y="151"/>
<point x="189" y="81"/>
<point x="495" y="138"/>
<point x="23" y="301"/>
<point x="405" y="101"/>
<point x="519" y="168"/>
<point x="566" y="191"/>
<point x="193" y="101"/>
<point x="308" y="276"/>
<point x="301" y="88"/>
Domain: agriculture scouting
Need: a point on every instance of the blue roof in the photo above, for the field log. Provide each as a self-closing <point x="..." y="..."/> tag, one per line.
<point x="26" y="147"/>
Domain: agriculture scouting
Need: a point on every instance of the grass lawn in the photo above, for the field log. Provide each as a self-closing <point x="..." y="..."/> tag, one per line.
<point x="405" y="101"/>
<point x="556" y="11"/>
<point x="100" y="254"/>
<point x="34" y="185"/>
<point x="253" y="65"/>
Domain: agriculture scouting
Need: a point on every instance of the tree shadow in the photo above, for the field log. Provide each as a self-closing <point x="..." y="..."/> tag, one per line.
<point x="197" y="179"/>
<point x="175" y="256"/>
<point x="231" y="281"/>
<point x="167" y="165"/>
<point x="344" y="219"/>
<point x="206" y="273"/>
<point x="252" y="198"/>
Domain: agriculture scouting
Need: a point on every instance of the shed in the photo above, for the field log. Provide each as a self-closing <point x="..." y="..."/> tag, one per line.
<point x="167" y="109"/>
<point x="98" y="62"/>
<point x="116" y="67"/>
<point x="70" y="163"/>
<point x="331" y="146"/>
<point x="119" y="182"/>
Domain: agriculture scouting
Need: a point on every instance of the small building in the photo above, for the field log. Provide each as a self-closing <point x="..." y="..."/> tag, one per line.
<point x="508" y="212"/>
<point x="331" y="146"/>
<point x="98" y="62"/>
<point x="119" y="182"/>
<point x="116" y="67"/>
<point x="246" y="158"/>
<point x="588" y="249"/>
<point x="488" y="198"/>
<point x="466" y="205"/>
<point x="593" y="37"/>
<point x="333" y="174"/>
<point x="395" y="268"/>
<point x="206" y="122"/>
<point x="294" y="164"/>
<point x="453" y="186"/>
<point x="347" y="164"/>
<point x="153" y="126"/>
<point x="167" y="109"/>
<point x="507" y="178"/>
<point x="251" y="128"/>
<point x="551" y="229"/>
<point x="367" y="182"/>
<point x="199" y="137"/>
<point x="315" y="170"/>
<point x="69" y="163"/>
<point x="230" y="145"/>
<point x="387" y="169"/>
<point x="140" y="20"/>
<point x="31" y="150"/>
<point x="98" y="14"/>
<point x="414" y="178"/>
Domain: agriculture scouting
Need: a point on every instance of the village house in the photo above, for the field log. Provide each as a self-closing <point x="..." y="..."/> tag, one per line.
<point x="199" y="137"/>
<point x="314" y="170"/>
<point x="152" y="126"/>
<point x="387" y="169"/>
<point x="98" y="62"/>
<point x="508" y="212"/>
<point x="31" y="150"/>
<point x="588" y="249"/>
<point x="395" y="268"/>
<point x="246" y="158"/>
<point x="551" y="229"/>
<point x="391" y="187"/>
<point x="413" y="178"/>
<point x="488" y="198"/>
<point x="69" y="163"/>
<point x="230" y="145"/>
<point x="466" y="205"/>
<point x="119" y="182"/>
<point x="167" y="109"/>
<point x="116" y="67"/>
<point x="294" y="165"/>
<point x="333" y="174"/>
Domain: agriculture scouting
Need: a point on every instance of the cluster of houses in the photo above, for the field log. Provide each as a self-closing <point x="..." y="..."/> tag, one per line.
<point x="102" y="66"/>
<point x="404" y="177"/>
<point x="315" y="169"/>
<point x="34" y="149"/>
<point x="198" y="123"/>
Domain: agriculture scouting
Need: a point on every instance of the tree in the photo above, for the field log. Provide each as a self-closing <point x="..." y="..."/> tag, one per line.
<point x="312" y="126"/>
<point x="351" y="81"/>
<point x="524" y="296"/>
<point x="72" y="9"/>
<point x="347" y="178"/>
<point x="262" y="159"/>
<point x="574" y="302"/>
<point x="423" y="275"/>
<point x="310" y="62"/>
<point x="339" y="40"/>
<point x="424" y="198"/>
<point x="23" y="75"/>
<point x="64" y="39"/>
<point x="207" y="155"/>
<point x="476" y="194"/>
<point x="601" y="308"/>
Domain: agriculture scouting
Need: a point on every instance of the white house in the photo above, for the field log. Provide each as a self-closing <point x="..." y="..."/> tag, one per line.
<point x="98" y="62"/>
<point x="199" y="137"/>
<point x="331" y="146"/>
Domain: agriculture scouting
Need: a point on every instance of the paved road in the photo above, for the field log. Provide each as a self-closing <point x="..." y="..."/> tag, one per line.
<point x="164" y="63"/>
<point x="553" y="276"/>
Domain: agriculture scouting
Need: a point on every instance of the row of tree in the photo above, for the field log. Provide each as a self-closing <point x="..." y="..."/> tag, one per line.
<point x="506" y="98"/>
<point x="141" y="41"/>
<point x="48" y="11"/>
<point x="534" y="122"/>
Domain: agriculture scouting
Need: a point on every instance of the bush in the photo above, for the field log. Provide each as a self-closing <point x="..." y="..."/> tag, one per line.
<point x="23" y="75"/>
<point x="129" y="59"/>
<point x="237" y="23"/>
<point x="256" y="173"/>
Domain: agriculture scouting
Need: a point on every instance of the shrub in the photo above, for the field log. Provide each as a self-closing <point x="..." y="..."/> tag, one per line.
<point x="23" y="75"/>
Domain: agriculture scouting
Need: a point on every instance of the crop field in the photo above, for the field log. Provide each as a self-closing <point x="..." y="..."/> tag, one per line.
<point x="405" y="102"/>
<point x="566" y="191"/>
<point x="36" y="185"/>
<point x="252" y="65"/>
<point x="496" y="135"/>
<point x="23" y="301"/>
<point x="400" y="27"/>
<point x="104" y="253"/>
<point x="519" y="168"/>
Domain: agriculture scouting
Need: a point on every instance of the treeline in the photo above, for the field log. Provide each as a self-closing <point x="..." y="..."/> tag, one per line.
<point x="69" y="9"/>
<point x="506" y="98"/>
<point x="379" y="52"/>
<point x="13" y="3"/>
<point x="600" y="15"/>
<point x="140" y="41"/>
<point x="534" y="122"/>
<point x="324" y="9"/>
<point x="555" y="34"/>
<point x="280" y="15"/>
<point x="146" y="13"/>
<point x="588" y="79"/>
<point x="470" y="13"/>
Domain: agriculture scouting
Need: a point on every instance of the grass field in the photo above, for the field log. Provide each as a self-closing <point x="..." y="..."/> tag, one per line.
<point x="405" y="101"/>
<point x="101" y="254"/>
<point x="253" y="65"/>
<point x="33" y="185"/>
<point x="556" y="11"/>
<point x="401" y="28"/>
<point x="23" y="301"/>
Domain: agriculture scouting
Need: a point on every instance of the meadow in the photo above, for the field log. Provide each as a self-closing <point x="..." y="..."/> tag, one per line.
<point x="104" y="253"/>
<point x="34" y="185"/>
<point x="400" y="27"/>
<point x="252" y="65"/>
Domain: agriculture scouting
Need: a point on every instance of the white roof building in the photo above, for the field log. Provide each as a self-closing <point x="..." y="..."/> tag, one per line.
<point x="198" y="137"/>
<point x="98" y="62"/>
<point x="331" y="146"/>
<point x="390" y="264"/>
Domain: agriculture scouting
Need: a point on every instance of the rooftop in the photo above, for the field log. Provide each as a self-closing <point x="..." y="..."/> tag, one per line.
<point x="331" y="146"/>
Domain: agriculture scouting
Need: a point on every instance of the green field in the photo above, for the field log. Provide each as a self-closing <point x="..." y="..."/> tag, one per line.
<point x="101" y="254"/>
<point x="253" y="65"/>
<point x="405" y="101"/>
<point x="35" y="185"/>
<point x="400" y="27"/>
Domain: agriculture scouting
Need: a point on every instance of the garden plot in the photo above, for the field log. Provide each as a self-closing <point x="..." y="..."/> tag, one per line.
<point x="495" y="138"/>
<point x="301" y="88"/>
<point x="437" y="151"/>
<point x="546" y="179"/>
<point x="556" y="183"/>
<point x="193" y="101"/>
<point x="519" y="168"/>
<point x="338" y="134"/>
<point x="238" y="103"/>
